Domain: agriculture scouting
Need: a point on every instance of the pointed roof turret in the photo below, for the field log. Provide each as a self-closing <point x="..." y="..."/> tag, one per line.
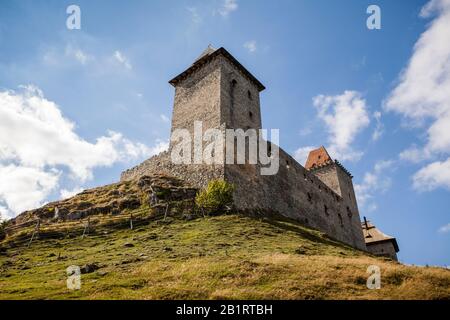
<point x="210" y="49"/>
<point x="208" y="55"/>
<point x="318" y="158"/>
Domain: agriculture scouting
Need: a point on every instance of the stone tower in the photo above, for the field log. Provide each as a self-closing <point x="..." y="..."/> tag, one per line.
<point x="217" y="90"/>
<point x="336" y="177"/>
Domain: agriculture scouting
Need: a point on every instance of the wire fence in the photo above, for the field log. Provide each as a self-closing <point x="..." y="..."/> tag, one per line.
<point x="96" y="225"/>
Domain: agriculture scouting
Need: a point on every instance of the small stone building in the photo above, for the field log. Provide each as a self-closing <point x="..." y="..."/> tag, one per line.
<point x="379" y="243"/>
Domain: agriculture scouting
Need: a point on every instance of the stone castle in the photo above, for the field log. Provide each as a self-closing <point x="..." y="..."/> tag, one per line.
<point x="217" y="90"/>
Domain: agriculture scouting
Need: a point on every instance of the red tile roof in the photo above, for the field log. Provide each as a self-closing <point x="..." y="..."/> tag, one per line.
<point x="317" y="158"/>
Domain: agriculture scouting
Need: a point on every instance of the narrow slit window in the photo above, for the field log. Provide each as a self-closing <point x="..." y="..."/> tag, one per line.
<point x="349" y="212"/>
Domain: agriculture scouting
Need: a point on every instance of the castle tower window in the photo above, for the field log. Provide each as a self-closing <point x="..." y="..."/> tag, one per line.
<point x="250" y="114"/>
<point x="340" y="220"/>
<point x="249" y="95"/>
<point x="349" y="212"/>
<point x="232" y="89"/>
<point x="326" y="210"/>
<point x="309" y="197"/>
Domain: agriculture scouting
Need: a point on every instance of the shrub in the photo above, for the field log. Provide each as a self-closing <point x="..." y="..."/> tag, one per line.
<point x="216" y="197"/>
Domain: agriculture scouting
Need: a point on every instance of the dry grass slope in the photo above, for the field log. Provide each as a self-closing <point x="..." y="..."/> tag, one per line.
<point x="223" y="257"/>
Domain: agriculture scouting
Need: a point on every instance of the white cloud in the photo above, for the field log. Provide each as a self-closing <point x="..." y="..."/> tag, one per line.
<point x="195" y="16"/>
<point x="379" y="128"/>
<point x="65" y="194"/>
<point x="344" y="116"/>
<point x="4" y="213"/>
<point x="415" y="155"/>
<point x="23" y="187"/>
<point x="424" y="85"/>
<point x="250" y="46"/>
<point x="77" y="54"/>
<point x="444" y="229"/>
<point x="159" y="147"/>
<point x="69" y="55"/>
<point x="122" y="59"/>
<point x="376" y="181"/>
<point x="38" y="145"/>
<point x="301" y="154"/>
<point x="228" y="6"/>
<point x="432" y="176"/>
<point x="72" y="55"/>
<point x="423" y="95"/>
<point x="306" y="131"/>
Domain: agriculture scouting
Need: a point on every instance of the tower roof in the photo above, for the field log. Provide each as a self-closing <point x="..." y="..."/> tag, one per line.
<point x="373" y="235"/>
<point x="205" y="53"/>
<point x="206" y="56"/>
<point x="317" y="158"/>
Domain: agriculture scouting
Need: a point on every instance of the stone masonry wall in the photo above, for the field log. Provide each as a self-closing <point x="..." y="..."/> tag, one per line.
<point x="195" y="175"/>
<point x="383" y="249"/>
<point x="197" y="98"/>
<point x="239" y="99"/>
<point x="340" y="182"/>
<point x="296" y="193"/>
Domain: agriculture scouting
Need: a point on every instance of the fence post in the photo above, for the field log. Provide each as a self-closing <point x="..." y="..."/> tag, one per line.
<point x="165" y="213"/>
<point x="131" y="221"/>
<point x="36" y="230"/>
<point x="86" y="227"/>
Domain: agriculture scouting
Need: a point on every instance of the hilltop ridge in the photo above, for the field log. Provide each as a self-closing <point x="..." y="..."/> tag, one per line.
<point x="177" y="253"/>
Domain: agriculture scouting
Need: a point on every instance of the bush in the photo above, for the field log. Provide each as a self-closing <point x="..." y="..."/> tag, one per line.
<point x="216" y="197"/>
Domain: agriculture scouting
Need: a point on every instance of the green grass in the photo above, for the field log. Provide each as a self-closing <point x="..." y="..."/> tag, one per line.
<point x="223" y="257"/>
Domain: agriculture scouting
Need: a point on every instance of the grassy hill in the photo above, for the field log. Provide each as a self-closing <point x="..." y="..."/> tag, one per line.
<point x="222" y="257"/>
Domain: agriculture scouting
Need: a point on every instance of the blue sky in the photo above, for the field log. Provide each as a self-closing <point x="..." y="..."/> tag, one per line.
<point x="79" y="106"/>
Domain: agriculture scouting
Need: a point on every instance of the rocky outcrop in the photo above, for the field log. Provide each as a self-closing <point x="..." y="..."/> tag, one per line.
<point x="113" y="199"/>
